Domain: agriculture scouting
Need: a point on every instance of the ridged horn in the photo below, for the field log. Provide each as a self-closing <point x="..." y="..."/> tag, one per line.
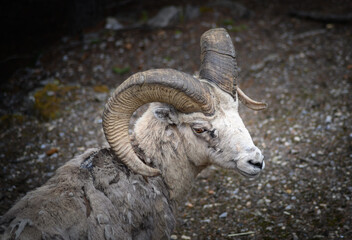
<point x="219" y="66"/>
<point x="186" y="93"/>
<point x="250" y="103"/>
<point x="218" y="59"/>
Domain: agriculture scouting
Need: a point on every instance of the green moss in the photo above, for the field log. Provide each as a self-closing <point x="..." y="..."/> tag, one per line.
<point x="121" y="71"/>
<point x="227" y="22"/>
<point x="49" y="100"/>
<point x="101" y="89"/>
<point x="230" y="25"/>
<point x="239" y="28"/>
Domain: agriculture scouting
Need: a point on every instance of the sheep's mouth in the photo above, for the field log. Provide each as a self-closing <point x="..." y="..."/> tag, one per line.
<point x="248" y="175"/>
<point x="245" y="173"/>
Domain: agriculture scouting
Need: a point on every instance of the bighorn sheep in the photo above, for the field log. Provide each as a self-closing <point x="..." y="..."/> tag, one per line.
<point x="130" y="190"/>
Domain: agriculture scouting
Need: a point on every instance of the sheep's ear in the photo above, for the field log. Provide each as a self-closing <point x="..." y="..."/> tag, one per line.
<point x="166" y="114"/>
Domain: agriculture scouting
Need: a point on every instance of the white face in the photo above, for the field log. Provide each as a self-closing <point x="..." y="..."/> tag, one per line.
<point x="222" y="140"/>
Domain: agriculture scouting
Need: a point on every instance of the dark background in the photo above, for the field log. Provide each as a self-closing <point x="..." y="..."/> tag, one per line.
<point x="28" y="26"/>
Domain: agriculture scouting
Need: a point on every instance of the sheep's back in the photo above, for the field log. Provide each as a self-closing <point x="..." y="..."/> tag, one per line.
<point x="93" y="196"/>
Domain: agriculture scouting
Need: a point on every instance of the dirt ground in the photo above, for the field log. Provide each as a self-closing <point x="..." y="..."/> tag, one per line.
<point x="301" y="68"/>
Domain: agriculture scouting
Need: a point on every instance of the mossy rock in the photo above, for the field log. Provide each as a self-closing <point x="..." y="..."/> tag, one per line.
<point x="50" y="99"/>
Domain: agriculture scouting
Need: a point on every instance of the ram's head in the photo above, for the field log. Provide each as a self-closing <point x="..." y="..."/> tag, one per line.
<point x="204" y="109"/>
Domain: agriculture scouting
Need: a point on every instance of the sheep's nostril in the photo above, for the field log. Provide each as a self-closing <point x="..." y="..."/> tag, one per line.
<point x="258" y="164"/>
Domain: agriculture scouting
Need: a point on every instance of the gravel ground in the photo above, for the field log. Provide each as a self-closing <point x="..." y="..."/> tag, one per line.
<point x="301" y="68"/>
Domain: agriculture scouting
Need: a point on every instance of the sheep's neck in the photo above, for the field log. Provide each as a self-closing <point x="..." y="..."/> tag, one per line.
<point x="164" y="148"/>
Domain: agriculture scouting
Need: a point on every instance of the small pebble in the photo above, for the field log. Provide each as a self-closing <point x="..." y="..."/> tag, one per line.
<point x="185" y="237"/>
<point x="288" y="207"/>
<point x="328" y="119"/>
<point x="52" y="151"/>
<point x="205" y="221"/>
<point x="294" y="151"/>
<point x="190" y="205"/>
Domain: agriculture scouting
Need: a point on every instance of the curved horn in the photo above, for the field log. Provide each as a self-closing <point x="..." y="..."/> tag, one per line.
<point x="218" y="59"/>
<point x="250" y="103"/>
<point x="185" y="93"/>
<point x="218" y="65"/>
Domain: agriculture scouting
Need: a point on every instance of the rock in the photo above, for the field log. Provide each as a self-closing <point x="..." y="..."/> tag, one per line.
<point x="113" y="24"/>
<point x="328" y="119"/>
<point x="211" y="192"/>
<point x="294" y="236"/>
<point x="167" y="16"/>
<point x="237" y="9"/>
<point x="185" y="237"/>
<point x="223" y="215"/>
<point x="288" y="207"/>
<point x="52" y="151"/>
<point x="320" y="152"/>
<point x="205" y="220"/>
<point x="297" y="139"/>
<point x="102" y="46"/>
<point x="191" y="12"/>
<point x="294" y="151"/>
<point x="118" y="43"/>
<point x="98" y="68"/>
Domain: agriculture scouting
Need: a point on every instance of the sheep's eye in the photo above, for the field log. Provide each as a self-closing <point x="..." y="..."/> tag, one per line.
<point x="199" y="130"/>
